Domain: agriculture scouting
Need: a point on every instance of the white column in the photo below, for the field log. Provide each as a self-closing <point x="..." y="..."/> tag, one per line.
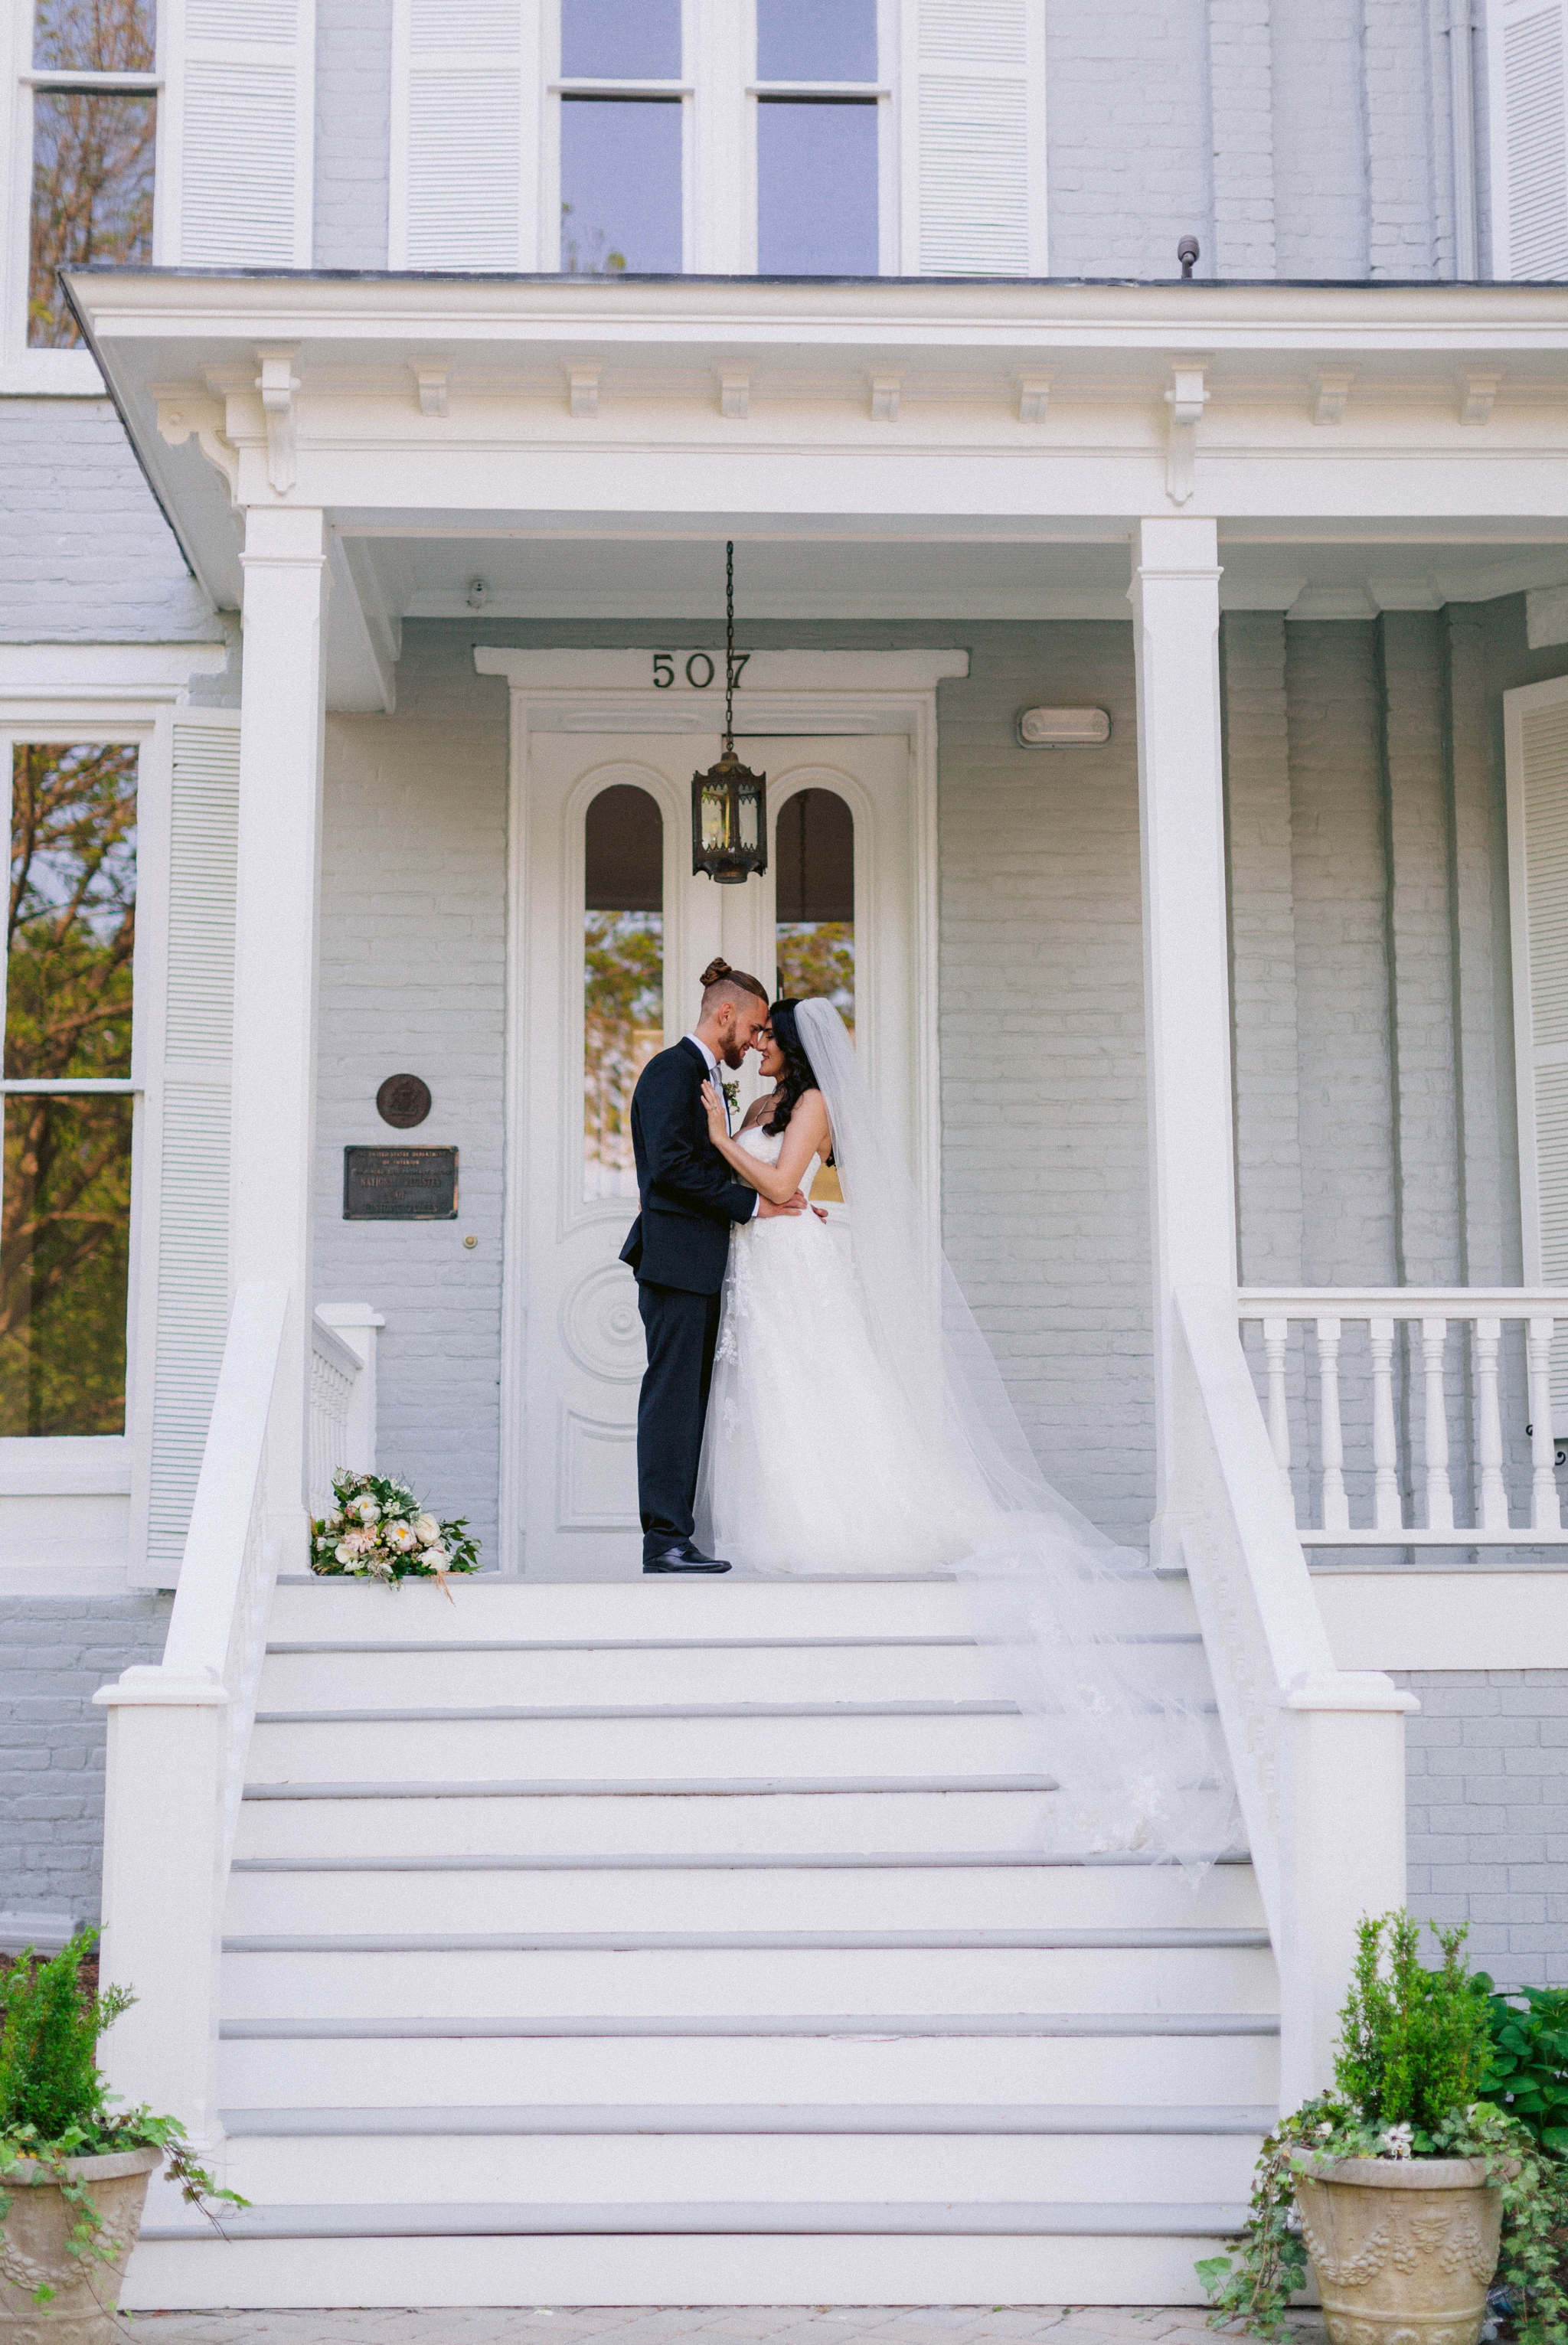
<point x="272" y="1131"/>
<point x="1186" y="982"/>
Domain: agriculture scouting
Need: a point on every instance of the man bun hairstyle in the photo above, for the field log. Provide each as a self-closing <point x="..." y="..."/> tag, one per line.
<point x="722" y="983"/>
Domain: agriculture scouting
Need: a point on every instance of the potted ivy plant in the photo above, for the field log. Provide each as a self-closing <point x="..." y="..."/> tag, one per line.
<point x="74" y="2168"/>
<point x="1406" y="2189"/>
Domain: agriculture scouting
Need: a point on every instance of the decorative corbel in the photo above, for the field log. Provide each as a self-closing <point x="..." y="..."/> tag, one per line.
<point x="278" y="383"/>
<point x="430" y="381"/>
<point x="184" y="414"/>
<point x="582" y="391"/>
<point x="734" y="394"/>
<point x="1479" y="396"/>
<point x="1331" y="388"/>
<point x="1186" y="400"/>
<point x="1034" y="397"/>
<point x="885" y="390"/>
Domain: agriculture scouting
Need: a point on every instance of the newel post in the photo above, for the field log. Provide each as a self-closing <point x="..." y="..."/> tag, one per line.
<point x="1187" y="978"/>
<point x="272" y="1131"/>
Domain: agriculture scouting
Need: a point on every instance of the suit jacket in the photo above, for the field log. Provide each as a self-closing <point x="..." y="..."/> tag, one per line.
<point x="689" y="1195"/>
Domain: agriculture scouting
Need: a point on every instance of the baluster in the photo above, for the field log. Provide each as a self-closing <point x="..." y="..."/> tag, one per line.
<point x="1545" y="1515"/>
<point x="1336" y="1507"/>
<point x="1388" y="1508"/>
<point x="1440" y="1495"/>
<point x="1488" y="1427"/>
<point x="1276" y="1336"/>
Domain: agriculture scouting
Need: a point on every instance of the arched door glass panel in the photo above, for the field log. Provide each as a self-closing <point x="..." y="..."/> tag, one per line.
<point x="623" y="977"/>
<point x="814" y="882"/>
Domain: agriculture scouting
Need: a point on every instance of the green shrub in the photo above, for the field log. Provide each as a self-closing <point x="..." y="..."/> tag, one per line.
<point x="49" y="2026"/>
<point x="1414" y="2043"/>
<point x="1528" y="2072"/>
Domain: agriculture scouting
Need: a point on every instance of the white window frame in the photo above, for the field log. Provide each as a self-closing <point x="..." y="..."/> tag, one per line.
<point x="70" y="373"/>
<point x="89" y="1465"/>
<point x="720" y="94"/>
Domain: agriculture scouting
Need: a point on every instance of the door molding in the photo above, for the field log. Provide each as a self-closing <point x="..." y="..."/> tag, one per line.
<point x="798" y="693"/>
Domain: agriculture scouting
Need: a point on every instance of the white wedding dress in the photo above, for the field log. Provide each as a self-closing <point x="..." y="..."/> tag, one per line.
<point x="858" y="1424"/>
<point x="811" y="1458"/>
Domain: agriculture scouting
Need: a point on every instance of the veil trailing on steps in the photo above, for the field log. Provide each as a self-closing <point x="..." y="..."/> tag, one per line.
<point x="1076" y="1627"/>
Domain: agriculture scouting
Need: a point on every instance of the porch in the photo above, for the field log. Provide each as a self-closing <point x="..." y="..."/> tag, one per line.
<point x="1092" y="1009"/>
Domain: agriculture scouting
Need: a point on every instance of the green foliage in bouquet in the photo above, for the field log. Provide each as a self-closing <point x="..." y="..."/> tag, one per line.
<point x="379" y="1530"/>
<point x="54" y="2105"/>
<point x="1411" y="2075"/>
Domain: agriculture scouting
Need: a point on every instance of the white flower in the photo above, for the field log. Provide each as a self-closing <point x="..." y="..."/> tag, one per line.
<point x="347" y="1552"/>
<point x="367" y="1510"/>
<point x="435" y="1557"/>
<point x="1397" y="2142"/>
<point x="427" y="1530"/>
<point x="334" y="1521"/>
<point x="400" y="1537"/>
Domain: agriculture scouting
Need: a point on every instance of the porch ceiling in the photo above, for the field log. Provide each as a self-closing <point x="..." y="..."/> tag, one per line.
<point x="580" y="445"/>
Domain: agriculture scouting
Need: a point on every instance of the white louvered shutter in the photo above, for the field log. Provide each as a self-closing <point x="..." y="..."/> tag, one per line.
<point x="1527" y="56"/>
<point x="458" y="143"/>
<point x="243" y="93"/>
<point x="1535" y="727"/>
<point x="981" y="139"/>
<point x="193" y="1186"/>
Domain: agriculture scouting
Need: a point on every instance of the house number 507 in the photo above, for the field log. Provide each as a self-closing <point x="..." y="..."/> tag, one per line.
<point x="698" y="669"/>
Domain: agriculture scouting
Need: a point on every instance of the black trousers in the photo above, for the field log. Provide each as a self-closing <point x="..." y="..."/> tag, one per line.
<point x="682" y="1330"/>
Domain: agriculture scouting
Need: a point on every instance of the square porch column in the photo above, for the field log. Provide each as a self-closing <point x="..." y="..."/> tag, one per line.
<point x="1186" y="970"/>
<point x="272" y="1126"/>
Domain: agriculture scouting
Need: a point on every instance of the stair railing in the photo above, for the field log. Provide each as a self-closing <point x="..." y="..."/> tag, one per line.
<point x="335" y="1372"/>
<point x="178" y="1738"/>
<point x="1318" y="1753"/>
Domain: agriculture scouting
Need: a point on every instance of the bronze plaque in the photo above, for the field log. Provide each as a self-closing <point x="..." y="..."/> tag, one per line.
<point x="403" y="1102"/>
<point x="399" y="1184"/>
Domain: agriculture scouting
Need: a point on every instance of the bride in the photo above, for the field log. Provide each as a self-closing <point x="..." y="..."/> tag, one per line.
<point x="858" y="1423"/>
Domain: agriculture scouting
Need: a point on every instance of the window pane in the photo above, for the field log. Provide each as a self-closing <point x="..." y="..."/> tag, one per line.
<point x="816" y="189"/>
<point x="814" y="905"/>
<point x="816" y="40"/>
<point x="93" y="35"/>
<point x="72" y="921"/>
<point x="623" y="972"/>
<point x="620" y="185"/>
<point x="64" y="1227"/>
<point x="92" y="196"/>
<point x="621" y="40"/>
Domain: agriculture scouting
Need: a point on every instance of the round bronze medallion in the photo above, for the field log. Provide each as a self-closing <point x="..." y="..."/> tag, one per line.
<point x="403" y="1101"/>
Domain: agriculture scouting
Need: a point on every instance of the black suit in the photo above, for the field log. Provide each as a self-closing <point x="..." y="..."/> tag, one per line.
<point x="678" y="1246"/>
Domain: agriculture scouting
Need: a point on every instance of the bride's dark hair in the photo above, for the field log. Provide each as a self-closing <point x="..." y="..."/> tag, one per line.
<point x="798" y="1077"/>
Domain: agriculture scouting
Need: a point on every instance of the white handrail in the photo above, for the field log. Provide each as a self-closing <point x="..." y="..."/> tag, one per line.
<point x="178" y="1739"/>
<point x="1318" y="1752"/>
<point x="1485" y="1312"/>
<point x="335" y="1370"/>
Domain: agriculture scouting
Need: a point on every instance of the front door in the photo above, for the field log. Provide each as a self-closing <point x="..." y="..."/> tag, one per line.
<point x="616" y="932"/>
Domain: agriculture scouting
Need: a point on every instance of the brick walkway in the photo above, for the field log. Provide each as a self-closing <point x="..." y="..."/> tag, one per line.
<point x="931" y="2324"/>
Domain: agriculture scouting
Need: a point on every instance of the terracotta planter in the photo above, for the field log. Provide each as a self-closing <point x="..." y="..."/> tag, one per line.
<point x="33" y="2251"/>
<point x="1403" y="2252"/>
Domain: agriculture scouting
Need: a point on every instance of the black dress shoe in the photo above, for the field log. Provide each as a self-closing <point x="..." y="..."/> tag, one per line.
<point x="685" y="1557"/>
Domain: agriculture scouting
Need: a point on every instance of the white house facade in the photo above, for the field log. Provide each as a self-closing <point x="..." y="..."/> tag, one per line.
<point x="1162" y="683"/>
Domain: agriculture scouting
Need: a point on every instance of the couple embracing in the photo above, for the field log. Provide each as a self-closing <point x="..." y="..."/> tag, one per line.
<point x="812" y="1409"/>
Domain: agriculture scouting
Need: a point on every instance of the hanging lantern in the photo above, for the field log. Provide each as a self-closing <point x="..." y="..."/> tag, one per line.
<point x="729" y="802"/>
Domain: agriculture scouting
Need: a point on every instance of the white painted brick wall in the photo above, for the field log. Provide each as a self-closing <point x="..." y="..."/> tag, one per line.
<point x="86" y="555"/>
<point x="1241" y="104"/>
<point x="1402" y="195"/>
<point x="55" y="1653"/>
<point x="354" y="132"/>
<point x="1319" y="141"/>
<point x="1127" y="136"/>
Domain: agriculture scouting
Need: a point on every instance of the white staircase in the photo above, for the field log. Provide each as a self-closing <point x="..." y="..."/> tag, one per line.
<point x="688" y="1942"/>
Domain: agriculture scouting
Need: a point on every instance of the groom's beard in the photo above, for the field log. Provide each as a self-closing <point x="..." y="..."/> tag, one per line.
<point x="733" y="1057"/>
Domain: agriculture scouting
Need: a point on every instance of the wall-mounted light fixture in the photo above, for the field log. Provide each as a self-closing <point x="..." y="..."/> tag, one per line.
<point x="729" y="802"/>
<point x="1061" y="728"/>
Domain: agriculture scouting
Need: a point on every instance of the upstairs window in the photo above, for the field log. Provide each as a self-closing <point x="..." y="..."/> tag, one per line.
<point x="817" y="137"/>
<point x="620" y="136"/>
<point x="94" y="86"/>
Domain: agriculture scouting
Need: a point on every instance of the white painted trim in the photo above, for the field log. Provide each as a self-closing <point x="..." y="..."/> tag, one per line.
<point x="1515" y="704"/>
<point x="68" y="1467"/>
<point x="1408" y="1619"/>
<point x="797" y="692"/>
<point x="90" y="674"/>
<point x="907" y="603"/>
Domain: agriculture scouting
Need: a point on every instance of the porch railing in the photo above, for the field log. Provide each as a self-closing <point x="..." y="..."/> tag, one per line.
<point x="342" y="1428"/>
<point x="1318" y="1753"/>
<point x="178" y="1739"/>
<point x="1413" y="1403"/>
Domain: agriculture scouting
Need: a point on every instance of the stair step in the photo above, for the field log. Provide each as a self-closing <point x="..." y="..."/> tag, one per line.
<point x="834" y="2026"/>
<point x="643" y="1787"/>
<point x="729" y="2117"/>
<point x="587" y="1941"/>
<point x="1024" y="2219"/>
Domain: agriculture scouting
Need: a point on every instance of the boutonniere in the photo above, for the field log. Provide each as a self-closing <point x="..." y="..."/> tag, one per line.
<point x="732" y="1097"/>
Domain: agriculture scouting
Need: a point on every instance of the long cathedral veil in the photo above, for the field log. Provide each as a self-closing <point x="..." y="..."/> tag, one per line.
<point x="1073" y="1622"/>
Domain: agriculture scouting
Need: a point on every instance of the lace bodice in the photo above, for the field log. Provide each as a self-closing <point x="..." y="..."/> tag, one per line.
<point x="768" y="1146"/>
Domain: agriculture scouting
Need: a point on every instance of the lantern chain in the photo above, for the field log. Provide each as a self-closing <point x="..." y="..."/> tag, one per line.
<point x="729" y="645"/>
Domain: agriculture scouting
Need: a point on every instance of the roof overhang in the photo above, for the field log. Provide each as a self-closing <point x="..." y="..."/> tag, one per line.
<point x="993" y="411"/>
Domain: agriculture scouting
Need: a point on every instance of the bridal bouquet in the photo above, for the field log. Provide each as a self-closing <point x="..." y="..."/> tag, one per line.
<point x="378" y="1530"/>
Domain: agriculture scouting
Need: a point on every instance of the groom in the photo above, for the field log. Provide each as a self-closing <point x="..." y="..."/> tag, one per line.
<point x="678" y="1246"/>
